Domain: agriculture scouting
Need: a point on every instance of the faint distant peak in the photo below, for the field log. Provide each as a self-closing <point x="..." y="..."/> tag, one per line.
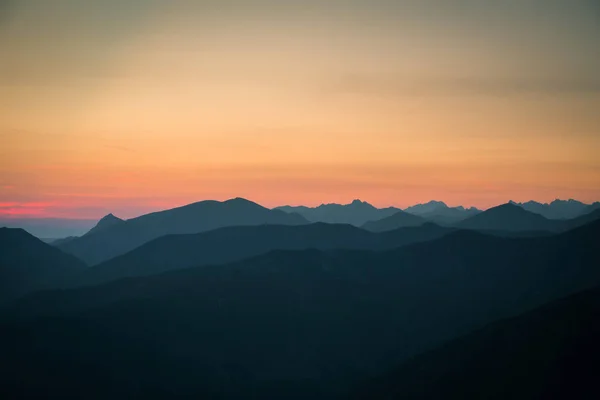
<point x="429" y="207"/>
<point x="569" y="201"/>
<point x="358" y="202"/>
<point x="437" y="203"/>
<point x="433" y="203"/>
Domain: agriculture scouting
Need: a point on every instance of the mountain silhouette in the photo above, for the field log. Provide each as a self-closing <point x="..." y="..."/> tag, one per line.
<point x="542" y="354"/>
<point x="236" y="243"/>
<point x="121" y="237"/>
<point x="305" y="323"/>
<point x="356" y="213"/>
<point x="440" y="213"/>
<point x="509" y="217"/>
<point x="105" y="223"/>
<point x="400" y="219"/>
<point x="28" y="264"/>
<point x="558" y="209"/>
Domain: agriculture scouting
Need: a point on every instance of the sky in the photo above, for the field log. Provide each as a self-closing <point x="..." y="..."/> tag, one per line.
<point x="131" y="106"/>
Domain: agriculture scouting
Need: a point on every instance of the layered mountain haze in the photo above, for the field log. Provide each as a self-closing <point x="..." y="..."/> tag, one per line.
<point x="236" y="243"/>
<point x="121" y="237"/>
<point x="341" y="314"/>
<point x="292" y="200"/>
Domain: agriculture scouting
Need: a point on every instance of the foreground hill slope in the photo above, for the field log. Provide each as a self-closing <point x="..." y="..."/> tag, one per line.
<point x="27" y="264"/>
<point x="310" y="323"/>
<point x="198" y="217"/>
<point x="549" y="353"/>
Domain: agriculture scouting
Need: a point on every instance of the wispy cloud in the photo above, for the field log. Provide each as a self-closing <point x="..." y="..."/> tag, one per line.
<point x="397" y="85"/>
<point x="121" y="148"/>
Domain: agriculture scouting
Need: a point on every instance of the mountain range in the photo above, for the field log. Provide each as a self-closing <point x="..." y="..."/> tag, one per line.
<point x="112" y="238"/>
<point x="356" y="213"/>
<point x="296" y="324"/>
<point x="171" y="252"/>
<point x="236" y="243"/>
<point x="559" y="209"/>
<point x="361" y="213"/>
<point x="439" y="212"/>
<point x="231" y="300"/>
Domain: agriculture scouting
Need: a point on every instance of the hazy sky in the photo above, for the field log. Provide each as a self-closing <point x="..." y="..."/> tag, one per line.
<point x="128" y="106"/>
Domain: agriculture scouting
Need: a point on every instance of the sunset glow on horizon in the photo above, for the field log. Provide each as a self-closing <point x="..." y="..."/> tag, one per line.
<point x="136" y="106"/>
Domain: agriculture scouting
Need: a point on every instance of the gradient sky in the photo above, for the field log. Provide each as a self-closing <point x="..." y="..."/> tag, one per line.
<point x="129" y="106"/>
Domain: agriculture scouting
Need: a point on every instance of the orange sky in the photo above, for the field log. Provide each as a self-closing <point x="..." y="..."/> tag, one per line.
<point x="134" y="106"/>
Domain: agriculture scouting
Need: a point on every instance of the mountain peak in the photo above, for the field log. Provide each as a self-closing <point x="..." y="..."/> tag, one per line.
<point x="508" y="217"/>
<point x="105" y="222"/>
<point x="109" y="217"/>
<point x="240" y="200"/>
<point x="511" y="205"/>
<point x="569" y="201"/>
<point x="431" y="206"/>
<point x="364" y="204"/>
<point x="438" y="203"/>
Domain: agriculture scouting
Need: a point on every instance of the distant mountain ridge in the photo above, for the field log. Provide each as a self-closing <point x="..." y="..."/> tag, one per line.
<point x="559" y="209"/>
<point x="512" y="217"/>
<point x="439" y="212"/>
<point x="122" y="236"/>
<point x="356" y="213"/>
